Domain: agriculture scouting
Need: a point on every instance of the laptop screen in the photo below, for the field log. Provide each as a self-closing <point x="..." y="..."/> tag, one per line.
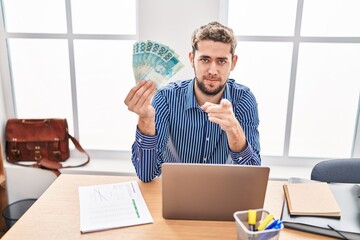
<point x="211" y="191"/>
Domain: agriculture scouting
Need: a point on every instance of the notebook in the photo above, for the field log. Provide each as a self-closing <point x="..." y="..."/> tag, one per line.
<point x="311" y="199"/>
<point x="347" y="227"/>
<point x="211" y="191"/>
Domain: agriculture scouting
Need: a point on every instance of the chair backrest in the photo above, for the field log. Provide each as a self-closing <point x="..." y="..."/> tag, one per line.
<point x="337" y="170"/>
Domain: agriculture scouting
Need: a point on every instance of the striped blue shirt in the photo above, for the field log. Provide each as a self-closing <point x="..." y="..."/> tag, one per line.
<point x="184" y="133"/>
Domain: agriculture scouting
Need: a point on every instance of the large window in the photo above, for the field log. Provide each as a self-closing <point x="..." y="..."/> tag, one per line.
<point x="301" y="58"/>
<point x="72" y="59"/>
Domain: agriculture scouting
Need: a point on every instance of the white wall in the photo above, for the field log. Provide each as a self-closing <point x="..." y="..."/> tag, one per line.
<point x="5" y="92"/>
<point x="3" y="116"/>
<point x="2" y="109"/>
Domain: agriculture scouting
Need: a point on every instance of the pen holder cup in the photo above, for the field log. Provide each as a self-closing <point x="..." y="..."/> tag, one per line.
<point x="243" y="231"/>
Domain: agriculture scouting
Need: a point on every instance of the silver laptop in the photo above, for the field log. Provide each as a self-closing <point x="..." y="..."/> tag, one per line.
<point x="211" y="191"/>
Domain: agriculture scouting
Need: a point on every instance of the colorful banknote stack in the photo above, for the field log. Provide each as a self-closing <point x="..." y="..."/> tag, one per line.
<point x="155" y="61"/>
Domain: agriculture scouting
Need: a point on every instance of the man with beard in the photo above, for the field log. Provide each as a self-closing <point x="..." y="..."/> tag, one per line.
<point x="208" y="119"/>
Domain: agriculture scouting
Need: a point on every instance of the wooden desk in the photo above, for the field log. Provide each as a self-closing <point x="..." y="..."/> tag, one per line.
<point x="56" y="215"/>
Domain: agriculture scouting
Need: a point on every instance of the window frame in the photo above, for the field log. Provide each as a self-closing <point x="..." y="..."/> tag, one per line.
<point x="296" y="39"/>
<point x="10" y="103"/>
<point x="7" y="82"/>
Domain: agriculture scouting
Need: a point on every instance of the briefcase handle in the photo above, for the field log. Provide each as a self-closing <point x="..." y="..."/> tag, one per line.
<point x="45" y="163"/>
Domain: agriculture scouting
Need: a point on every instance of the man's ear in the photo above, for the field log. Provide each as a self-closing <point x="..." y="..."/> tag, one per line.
<point x="234" y="61"/>
<point x="191" y="58"/>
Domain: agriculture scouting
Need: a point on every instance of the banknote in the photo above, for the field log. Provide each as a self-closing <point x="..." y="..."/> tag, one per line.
<point x="155" y="61"/>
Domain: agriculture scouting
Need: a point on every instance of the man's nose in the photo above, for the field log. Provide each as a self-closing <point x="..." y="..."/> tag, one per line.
<point x="213" y="68"/>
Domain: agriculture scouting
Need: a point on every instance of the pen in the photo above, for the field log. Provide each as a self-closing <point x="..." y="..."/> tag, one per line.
<point x="276" y="224"/>
<point x="252" y="219"/>
<point x="338" y="232"/>
<point x="265" y="222"/>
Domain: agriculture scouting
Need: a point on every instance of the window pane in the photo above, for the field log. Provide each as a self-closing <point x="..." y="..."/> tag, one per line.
<point x="326" y="99"/>
<point x="331" y="18"/>
<point x="35" y="16"/>
<point x="41" y="78"/>
<point x="262" y="17"/>
<point x="265" y="69"/>
<point x="104" y="77"/>
<point x="109" y="17"/>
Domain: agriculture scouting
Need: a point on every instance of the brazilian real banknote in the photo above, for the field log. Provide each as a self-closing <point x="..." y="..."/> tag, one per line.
<point x="154" y="61"/>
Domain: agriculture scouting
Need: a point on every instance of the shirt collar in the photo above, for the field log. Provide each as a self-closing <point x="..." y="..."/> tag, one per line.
<point x="190" y="96"/>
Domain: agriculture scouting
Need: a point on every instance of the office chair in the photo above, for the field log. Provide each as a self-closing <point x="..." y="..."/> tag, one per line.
<point x="337" y="170"/>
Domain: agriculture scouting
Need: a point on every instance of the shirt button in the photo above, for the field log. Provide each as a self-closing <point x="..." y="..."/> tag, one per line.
<point x="207" y="139"/>
<point x="240" y="158"/>
<point x="204" y="159"/>
<point x="140" y="140"/>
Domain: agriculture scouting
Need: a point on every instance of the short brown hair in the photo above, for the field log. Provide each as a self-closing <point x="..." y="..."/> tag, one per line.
<point x="214" y="31"/>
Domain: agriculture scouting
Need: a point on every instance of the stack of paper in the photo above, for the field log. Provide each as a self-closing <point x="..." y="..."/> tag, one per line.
<point x="311" y="199"/>
<point x="111" y="206"/>
<point x="154" y="61"/>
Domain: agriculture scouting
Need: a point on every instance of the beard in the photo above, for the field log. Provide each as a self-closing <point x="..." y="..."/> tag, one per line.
<point x="207" y="91"/>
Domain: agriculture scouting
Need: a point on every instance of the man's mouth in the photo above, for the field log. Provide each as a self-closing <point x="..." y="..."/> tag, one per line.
<point x="212" y="79"/>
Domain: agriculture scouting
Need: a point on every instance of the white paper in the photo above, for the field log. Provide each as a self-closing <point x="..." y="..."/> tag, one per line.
<point x="112" y="206"/>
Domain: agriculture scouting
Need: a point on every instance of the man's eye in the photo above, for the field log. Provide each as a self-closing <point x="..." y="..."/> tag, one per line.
<point x="222" y="62"/>
<point x="204" y="60"/>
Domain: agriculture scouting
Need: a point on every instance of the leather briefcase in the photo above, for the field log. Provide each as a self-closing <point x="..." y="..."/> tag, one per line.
<point x="42" y="141"/>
